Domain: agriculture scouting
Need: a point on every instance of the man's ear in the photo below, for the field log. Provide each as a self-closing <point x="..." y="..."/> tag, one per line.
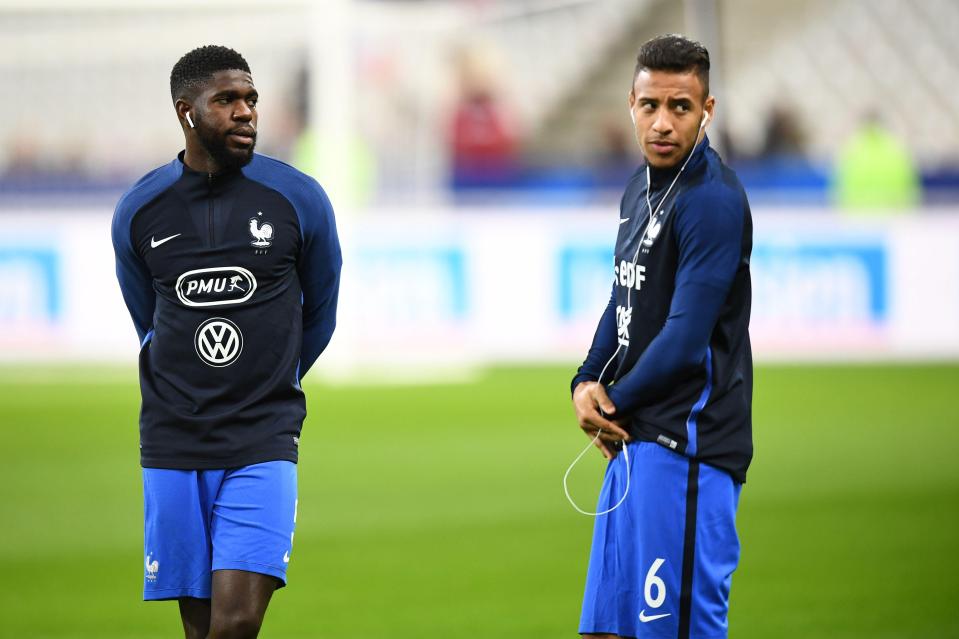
<point x="710" y="107"/>
<point x="183" y="109"/>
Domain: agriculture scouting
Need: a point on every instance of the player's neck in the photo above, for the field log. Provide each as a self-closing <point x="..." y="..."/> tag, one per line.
<point x="664" y="174"/>
<point x="200" y="161"/>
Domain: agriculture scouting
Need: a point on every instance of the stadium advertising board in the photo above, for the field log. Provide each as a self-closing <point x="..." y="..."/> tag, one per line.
<point x="29" y="286"/>
<point x="820" y="295"/>
<point x="459" y="287"/>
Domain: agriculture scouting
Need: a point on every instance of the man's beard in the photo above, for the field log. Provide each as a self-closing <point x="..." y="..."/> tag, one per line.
<point x="215" y="145"/>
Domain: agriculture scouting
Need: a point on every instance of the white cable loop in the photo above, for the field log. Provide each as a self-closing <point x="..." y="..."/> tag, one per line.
<point x="575" y="461"/>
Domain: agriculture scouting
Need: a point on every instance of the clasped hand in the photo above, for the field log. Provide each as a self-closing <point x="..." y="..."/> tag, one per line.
<point x="597" y="413"/>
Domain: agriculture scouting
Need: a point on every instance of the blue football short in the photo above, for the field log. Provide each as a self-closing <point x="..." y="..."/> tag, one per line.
<point x="661" y="564"/>
<point x="198" y="521"/>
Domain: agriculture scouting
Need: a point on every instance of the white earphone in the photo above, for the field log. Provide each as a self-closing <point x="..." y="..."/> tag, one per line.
<point x="192" y="126"/>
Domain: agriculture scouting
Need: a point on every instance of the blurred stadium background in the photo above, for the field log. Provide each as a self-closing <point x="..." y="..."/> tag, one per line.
<point x="475" y="152"/>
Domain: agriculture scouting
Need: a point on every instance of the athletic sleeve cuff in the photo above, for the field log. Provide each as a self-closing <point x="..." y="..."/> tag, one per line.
<point x="579" y="379"/>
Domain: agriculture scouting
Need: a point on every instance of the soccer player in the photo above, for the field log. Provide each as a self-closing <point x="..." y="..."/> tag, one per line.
<point x="669" y="373"/>
<point x="229" y="264"/>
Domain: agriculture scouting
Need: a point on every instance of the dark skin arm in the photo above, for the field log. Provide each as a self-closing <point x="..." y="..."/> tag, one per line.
<point x="592" y="405"/>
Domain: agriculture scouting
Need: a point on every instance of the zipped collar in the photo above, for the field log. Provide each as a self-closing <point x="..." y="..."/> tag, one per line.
<point x="213" y="181"/>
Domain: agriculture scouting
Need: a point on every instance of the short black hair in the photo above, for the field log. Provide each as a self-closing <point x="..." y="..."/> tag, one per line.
<point x="676" y="53"/>
<point x="199" y="65"/>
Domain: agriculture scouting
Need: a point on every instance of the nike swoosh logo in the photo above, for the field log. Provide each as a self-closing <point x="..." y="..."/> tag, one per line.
<point x="155" y="243"/>
<point x="286" y="557"/>
<point x="645" y="619"/>
<point x="624" y="220"/>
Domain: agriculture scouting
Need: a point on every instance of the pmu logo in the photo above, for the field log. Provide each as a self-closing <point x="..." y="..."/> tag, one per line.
<point x="218" y="342"/>
<point x="215" y="286"/>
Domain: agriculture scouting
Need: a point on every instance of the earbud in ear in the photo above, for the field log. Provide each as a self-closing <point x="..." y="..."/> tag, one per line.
<point x="192" y="126"/>
<point x="705" y="119"/>
<point x="632" y="116"/>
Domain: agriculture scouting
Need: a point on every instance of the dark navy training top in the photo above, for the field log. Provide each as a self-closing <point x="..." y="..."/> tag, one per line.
<point x="675" y="333"/>
<point x="231" y="281"/>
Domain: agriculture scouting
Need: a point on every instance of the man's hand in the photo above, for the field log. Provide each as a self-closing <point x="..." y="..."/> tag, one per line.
<point x="589" y="399"/>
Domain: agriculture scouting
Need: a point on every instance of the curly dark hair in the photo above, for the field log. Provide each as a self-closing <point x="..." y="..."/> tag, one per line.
<point x="199" y="65"/>
<point x="676" y="53"/>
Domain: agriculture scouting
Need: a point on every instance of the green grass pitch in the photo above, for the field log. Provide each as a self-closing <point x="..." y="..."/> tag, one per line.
<point x="439" y="510"/>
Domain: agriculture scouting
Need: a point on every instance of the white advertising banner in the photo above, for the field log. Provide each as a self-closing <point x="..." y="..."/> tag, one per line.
<point x="454" y="287"/>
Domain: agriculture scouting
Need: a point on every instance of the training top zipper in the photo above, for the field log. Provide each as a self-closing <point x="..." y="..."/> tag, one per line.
<point x="209" y="206"/>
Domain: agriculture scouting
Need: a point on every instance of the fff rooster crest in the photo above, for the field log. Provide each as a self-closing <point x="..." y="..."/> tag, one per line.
<point x="262" y="234"/>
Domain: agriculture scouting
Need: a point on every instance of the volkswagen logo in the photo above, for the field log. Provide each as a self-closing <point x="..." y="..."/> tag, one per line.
<point x="218" y="342"/>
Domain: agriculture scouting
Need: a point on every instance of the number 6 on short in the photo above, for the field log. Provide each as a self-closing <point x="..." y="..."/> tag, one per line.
<point x="654" y="581"/>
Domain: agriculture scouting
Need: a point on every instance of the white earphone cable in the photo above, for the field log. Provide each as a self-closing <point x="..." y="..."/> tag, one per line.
<point x="575" y="461"/>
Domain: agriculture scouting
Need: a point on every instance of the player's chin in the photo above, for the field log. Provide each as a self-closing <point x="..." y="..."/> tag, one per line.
<point x="240" y="156"/>
<point x="659" y="160"/>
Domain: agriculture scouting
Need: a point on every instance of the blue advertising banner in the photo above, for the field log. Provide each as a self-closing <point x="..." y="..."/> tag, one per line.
<point x="30" y="286"/>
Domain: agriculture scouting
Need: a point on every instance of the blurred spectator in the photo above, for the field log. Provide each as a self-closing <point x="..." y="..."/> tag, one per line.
<point x="618" y="154"/>
<point x="483" y="141"/>
<point x="314" y="156"/>
<point x="875" y="172"/>
<point x="783" y="136"/>
<point x="618" y="143"/>
<point x="23" y="158"/>
<point x="310" y="156"/>
<point x="27" y="169"/>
